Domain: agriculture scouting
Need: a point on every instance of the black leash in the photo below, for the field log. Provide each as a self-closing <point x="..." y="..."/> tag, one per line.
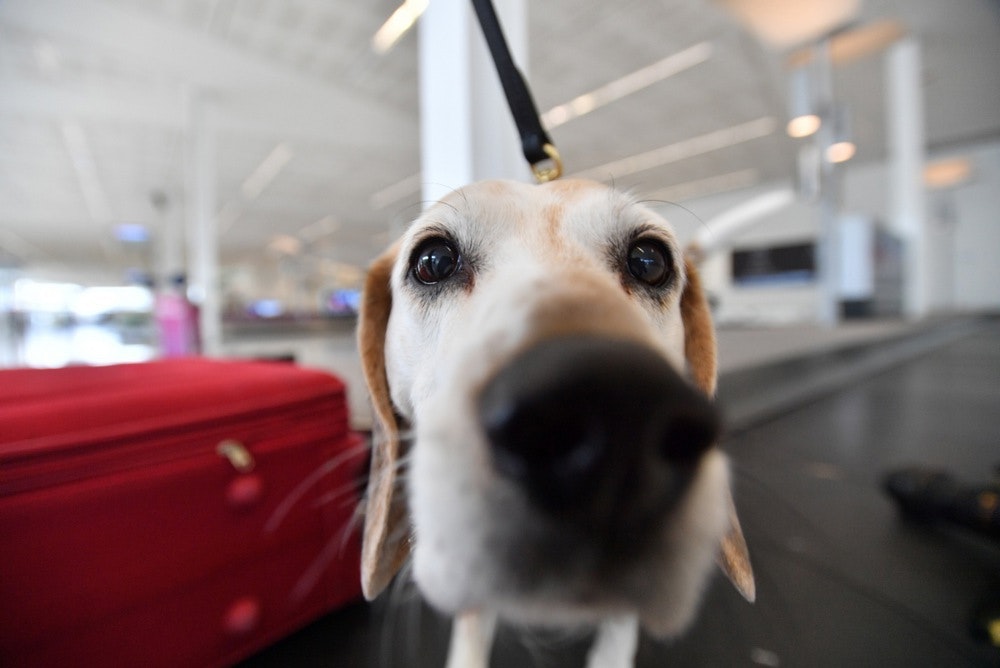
<point x="535" y="142"/>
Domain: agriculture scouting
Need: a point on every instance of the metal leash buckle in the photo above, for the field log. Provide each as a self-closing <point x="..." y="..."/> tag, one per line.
<point x="545" y="172"/>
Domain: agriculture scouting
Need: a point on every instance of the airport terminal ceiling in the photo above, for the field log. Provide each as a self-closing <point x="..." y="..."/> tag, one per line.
<point x="318" y="135"/>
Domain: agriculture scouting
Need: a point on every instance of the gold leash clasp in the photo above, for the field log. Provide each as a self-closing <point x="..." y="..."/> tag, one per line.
<point x="551" y="170"/>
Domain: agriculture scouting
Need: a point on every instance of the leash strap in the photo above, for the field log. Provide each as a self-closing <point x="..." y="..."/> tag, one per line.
<point x="538" y="149"/>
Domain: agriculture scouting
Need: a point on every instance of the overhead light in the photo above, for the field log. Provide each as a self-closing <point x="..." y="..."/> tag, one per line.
<point x="842" y="147"/>
<point x="947" y="173"/>
<point x="841" y="151"/>
<point x="284" y="244"/>
<point x="397" y="25"/>
<point x="628" y="84"/>
<point x="266" y="171"/>
<point x="803" y="119"/>
<point x="578" y="106"/>
<point x="395" y="192"/>
<point x="785" y="23"/>
<point x="322" y="227"/>
<point x="803" y="126"/>
<point x="132" y="233"/>
<point x="688" y="148"/>
<point x="227" y="216"/>
<point x="711" y="185"/>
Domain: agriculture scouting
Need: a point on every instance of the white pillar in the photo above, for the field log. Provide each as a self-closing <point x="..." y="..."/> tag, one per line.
<point x="467" y="132"/>
<point x="203" y="237"/>
<point x="169" y="239"/>
<point x="905" y="124"/>
<point x="827" y="259"/>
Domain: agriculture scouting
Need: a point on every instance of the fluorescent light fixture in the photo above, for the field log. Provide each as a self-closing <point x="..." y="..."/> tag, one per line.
<point x="578" y="106"/>
<point x="266" y="171"/>
<point x="395" y="192"/>
<point x="284" y="244"/>
<point x="227" y="216"/>
<point x="267" y="308"/>
<point x="322" y="227"/>
<point x="86" y="171"/>
<point x="841" y="151"/>
<point x="743" y="178"/>
<point x="947" y="173"/>
<point x="803" y="119"/>
<point x="841" y="148"/>
<point x="397" y="25"/>
<point x="132" y="233"/>
<point x="628" y="84"/>
<point x="682" y="150"/>
<point x="803" y="126"/>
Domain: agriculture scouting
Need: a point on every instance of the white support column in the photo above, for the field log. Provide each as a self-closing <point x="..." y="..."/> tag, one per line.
<point x="203" y="237"/>
<point x="827" y="259"/>
<point x="905" y="123"/>
<point x="467" y="132"/>
<point x="169" y="247"/>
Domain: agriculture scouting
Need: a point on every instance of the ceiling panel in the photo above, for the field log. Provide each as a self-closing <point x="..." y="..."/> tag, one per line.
<point x="121" y="74"/>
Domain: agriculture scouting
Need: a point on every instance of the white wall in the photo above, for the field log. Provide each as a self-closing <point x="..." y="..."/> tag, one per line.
<point x="977" y="238"/>
<point x="963" y="228"/>
<point x="755" y="304"/>
<point x="963" y="240"/>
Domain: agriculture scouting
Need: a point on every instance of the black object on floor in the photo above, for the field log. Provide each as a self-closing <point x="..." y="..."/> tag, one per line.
<point x="930" y="494"/>
<point x="842" y="579"/>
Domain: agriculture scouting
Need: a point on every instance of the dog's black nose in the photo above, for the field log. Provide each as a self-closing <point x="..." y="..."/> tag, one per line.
<point x="595" y="427"/>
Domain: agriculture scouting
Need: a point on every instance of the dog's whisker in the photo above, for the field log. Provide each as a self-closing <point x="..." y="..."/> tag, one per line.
<point x="293" y="497"/>
<point x="351" y="527"/>
<point x="670" y="203"/>
<point x="414" y="617"/>
<point x="332" y="549"/>
<point x="405" y="436"/>
<point x="401" y="532"/>
<point x="399" y="600"/>
<point x="335" y="495"/>
<point x="400" y="469"/>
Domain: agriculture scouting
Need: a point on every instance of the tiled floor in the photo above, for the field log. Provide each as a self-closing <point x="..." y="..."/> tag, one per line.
<point x="842" y="580"/>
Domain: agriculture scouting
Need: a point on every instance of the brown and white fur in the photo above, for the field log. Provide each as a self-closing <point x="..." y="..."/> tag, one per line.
<point x="534" y="264"/>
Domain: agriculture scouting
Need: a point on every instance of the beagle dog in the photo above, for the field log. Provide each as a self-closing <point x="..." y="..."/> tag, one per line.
<point x="550" y="351"/>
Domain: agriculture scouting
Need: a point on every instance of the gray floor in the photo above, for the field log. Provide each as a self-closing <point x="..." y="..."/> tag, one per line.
<point x="842" y="579"/>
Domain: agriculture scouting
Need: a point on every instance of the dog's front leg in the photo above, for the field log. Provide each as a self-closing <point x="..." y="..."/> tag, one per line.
<point x="471" y="640"/>
<point x="617" y="640"/>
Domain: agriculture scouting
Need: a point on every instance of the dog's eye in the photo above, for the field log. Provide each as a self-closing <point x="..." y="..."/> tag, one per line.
<point x="435" y="260"/>
<point x="650" y="262"/>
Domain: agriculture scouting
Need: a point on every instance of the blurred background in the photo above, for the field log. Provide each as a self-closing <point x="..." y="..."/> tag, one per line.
<point x="237" y="163"/>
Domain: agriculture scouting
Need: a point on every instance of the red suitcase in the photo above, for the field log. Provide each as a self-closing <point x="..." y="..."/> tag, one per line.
<point x="181" y="513"/>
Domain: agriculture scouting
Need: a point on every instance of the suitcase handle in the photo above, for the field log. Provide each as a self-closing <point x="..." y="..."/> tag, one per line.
<point x="236" y="454"/>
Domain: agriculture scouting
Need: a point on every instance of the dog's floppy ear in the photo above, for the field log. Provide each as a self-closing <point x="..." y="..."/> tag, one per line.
<point x="699" y="349"/>
<point x="385" y="546"/>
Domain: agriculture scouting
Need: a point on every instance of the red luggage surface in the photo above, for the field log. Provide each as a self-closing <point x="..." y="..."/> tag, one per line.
<point x="181" y="513"/>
